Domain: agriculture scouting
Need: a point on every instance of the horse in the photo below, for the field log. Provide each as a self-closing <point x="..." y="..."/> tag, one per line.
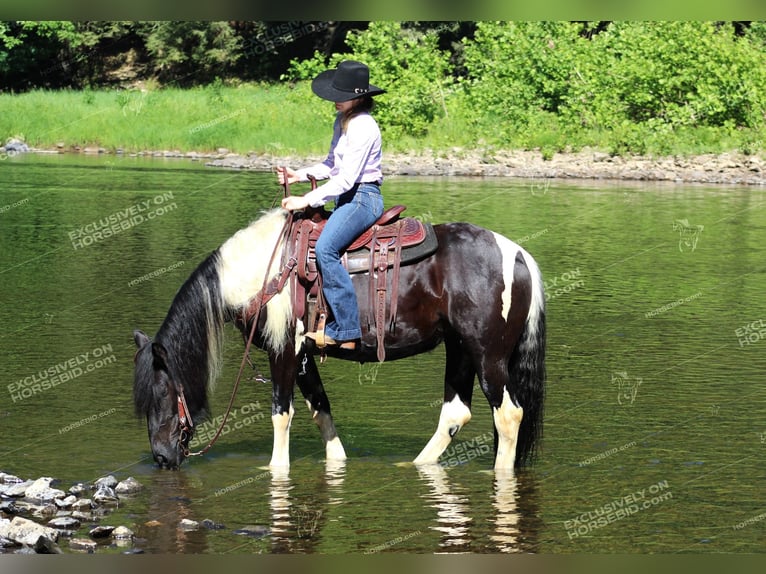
<point x="479" y="293"/>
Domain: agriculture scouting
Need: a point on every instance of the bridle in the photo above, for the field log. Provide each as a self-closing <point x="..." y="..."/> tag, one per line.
<point x="185" y="422"/>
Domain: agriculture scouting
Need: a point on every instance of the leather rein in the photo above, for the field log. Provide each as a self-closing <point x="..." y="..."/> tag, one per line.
<point x="268" y="290"/>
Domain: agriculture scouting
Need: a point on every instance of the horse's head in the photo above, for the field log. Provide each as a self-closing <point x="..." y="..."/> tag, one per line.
<point x="158" y="395"/>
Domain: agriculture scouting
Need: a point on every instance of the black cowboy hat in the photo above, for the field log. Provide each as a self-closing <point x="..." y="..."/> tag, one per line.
<point x="348" y="81"/>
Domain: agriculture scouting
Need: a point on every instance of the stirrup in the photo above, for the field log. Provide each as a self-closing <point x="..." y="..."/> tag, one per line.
<point x="323" y="341"/>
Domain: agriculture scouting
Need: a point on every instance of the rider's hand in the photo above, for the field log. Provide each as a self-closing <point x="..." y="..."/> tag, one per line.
<point x="295" y="202"/>
<point x="291" y="174"/>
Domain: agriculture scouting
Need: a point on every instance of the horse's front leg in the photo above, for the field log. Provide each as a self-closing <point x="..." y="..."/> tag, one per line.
<point x="310" y="384"/>
<point x="283" y="372"/>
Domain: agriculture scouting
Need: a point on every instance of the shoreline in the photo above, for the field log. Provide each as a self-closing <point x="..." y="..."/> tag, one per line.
<point x="732" y="168"/>
<point x="727" y="168"/>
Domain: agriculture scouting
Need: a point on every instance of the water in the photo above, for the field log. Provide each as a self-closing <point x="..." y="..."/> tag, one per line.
<point x="654" y="429"/>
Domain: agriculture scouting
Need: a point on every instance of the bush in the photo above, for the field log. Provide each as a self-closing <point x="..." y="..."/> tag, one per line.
<point x="406" y="63"/>
<point x="519" y="69"/>
<point x="678" y="73"/>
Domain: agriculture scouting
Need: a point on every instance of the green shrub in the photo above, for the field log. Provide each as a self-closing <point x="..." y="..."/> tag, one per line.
<point x="680" y="73"/>
<point x="406" y="63"/>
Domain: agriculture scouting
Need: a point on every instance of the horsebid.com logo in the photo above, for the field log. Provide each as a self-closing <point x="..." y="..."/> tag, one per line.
<point x="62" y="372"/>
<point x="618" y="509"/>
<point x="122" y="220"/>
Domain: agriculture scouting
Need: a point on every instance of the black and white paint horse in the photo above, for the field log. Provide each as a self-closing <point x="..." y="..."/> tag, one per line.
<point x="479" y="293"/>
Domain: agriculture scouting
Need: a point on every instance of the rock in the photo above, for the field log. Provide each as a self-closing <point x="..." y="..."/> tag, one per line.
<point x="128" y="486"/>
<point x="109" y="481"/>
<point x="210" y="525"/>
<point x="40" y="490"/>
<point x="253" y="531"/>
<point x="101" y="531"/>
<point x="9" y="479"/>
<point x="7" y="542"/>
<point x="65" y="502"/>
<point x="17" y="490"/>
<point x="45" y="510"/>
<point x="83" y="545"/>
<point x="25" y="531"/>
<point x="82" y="504"/>
<point x="105" y="495"/>
<point x="64" y="523"/>
<point x="187" y="524"/>
<point x="9" y="507"/>
<point x="78" y="489"/>
<point x="46" y="546"/>
<point x="16" y="146"/>
<point x="122" y="532"/>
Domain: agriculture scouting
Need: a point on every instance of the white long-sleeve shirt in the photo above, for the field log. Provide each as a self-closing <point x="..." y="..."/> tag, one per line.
<point x="354" y="157"/>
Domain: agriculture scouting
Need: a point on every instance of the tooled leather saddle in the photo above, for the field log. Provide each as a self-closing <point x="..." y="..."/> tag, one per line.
<point x="390" y="243"/>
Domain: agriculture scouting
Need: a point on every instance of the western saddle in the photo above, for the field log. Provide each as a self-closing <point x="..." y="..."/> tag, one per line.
<point x="389" y="243"/>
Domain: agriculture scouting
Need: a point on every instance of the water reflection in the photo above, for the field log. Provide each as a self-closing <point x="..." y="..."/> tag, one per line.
<point x="297" y="523"/>
<point x="506" y="534"/>
<point x="335" y="476"/>
<point x="280" y="504"/>
<point x="452" y="509"/>
<point x="170" y="502"/>
<point x="462" y="526"/>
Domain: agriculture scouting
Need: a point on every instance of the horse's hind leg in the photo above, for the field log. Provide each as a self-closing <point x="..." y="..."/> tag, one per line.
<point x="506" y="414"/>
<point x="313" y="391"/>
<point x="456" y="408"/>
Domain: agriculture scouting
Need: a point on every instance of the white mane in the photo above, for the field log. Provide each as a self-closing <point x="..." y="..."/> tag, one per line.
<point x="243" y="261"/>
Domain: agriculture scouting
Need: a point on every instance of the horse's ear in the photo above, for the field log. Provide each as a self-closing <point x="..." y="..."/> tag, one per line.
<point x="160" y="356"/>
<point x="140" y="338"/>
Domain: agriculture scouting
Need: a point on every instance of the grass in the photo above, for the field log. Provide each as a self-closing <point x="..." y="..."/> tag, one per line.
<point x="248" y="118"/>
<point x="284" y="119"/>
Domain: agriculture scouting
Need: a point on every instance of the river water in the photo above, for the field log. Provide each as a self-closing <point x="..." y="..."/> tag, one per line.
<point x="654" y="431"/>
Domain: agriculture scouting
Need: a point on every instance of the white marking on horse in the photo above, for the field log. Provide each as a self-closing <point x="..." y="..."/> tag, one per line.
<point x="280" y="454"/>
<point x="244" y="260"/>
<point x="508" y="250"/>
<point x="507" y="422"/>
<point x="454" y="416"/>
<point x="333" y="447"/>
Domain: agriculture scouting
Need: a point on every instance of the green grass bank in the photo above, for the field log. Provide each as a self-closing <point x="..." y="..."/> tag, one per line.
<point x="286" y="119"/>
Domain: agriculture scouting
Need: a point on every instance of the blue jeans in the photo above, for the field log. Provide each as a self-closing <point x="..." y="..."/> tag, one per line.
<point x="355" y="211"/>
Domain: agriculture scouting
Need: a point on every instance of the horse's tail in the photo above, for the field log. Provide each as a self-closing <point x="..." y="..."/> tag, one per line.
<point x="527" y="369"/>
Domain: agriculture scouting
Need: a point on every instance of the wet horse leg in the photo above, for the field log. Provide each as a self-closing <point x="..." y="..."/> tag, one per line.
<point x="310" y="385"/>
<point x="456" y="408"/>
<point x="283" y="371"/>
<point x="506" y="413"/>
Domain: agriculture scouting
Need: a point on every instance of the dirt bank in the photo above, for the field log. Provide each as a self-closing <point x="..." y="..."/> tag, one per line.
<point x="729" y="168"/>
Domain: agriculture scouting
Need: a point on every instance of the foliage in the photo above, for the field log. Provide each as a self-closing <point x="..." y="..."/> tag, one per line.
<point x="190" y="52"/>
<point x="406" y="63"/>
<point x="644" y="87"/>
<point x="676" y="73"/>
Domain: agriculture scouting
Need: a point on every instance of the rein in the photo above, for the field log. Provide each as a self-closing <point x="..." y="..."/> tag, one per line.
<point x="268" y="290"/>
